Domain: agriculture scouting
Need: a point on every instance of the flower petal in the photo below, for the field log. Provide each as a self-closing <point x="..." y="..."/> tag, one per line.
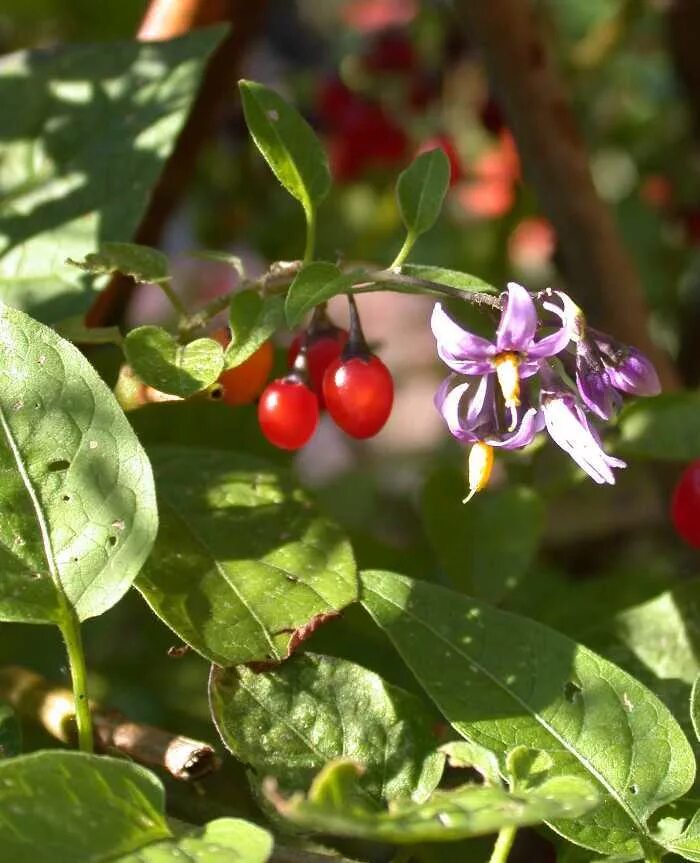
<point x="550" y="345"/>
<point x="531" y="423"/>
<point x="518" y="323"/>
<point x="634" y="374"/>
<point x="464" y="366"/>
<point x="456" y="341"/>
<point x="449" y="405"/>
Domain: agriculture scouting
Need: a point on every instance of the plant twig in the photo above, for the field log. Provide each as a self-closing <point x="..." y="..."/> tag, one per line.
<point x="78" y="699"/>
<point x="52" y="707"/>
<point x="504" y="843"/>
<point x="536" y="105"/>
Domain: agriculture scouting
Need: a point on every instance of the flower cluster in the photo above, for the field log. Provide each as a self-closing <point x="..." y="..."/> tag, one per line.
<point x="506" y="391"/>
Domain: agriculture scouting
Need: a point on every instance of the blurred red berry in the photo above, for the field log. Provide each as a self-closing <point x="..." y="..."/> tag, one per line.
<point x="532" y="243"/>
<point x="321" y="350"/>
<point x="359" y="394"/>
<point x="288" y="413"/>
<point x="391" y="52"/>
<point x="369" y="16"/>
<point x="657" y="191"/>
<point x="685" y="505"/>
<point x="446" y="144"/>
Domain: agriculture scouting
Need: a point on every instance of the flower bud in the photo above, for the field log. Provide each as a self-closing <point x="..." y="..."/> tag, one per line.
<point x="479" y="469"/>
<point x="631" y="372"/>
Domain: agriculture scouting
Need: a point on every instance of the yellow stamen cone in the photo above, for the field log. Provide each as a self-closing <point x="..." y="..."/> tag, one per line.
<point x="508" y="377"/>
<point x="479" y="468"/>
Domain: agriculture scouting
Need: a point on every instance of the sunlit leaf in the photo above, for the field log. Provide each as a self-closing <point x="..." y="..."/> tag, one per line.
<point x="336" y="804"/>
<point x="421" y="189"/>
<point x="142" y="263"/>
<point x="86" y="130"/>
<point x="243" y="568"/>
<point x="287" y="143"/>
<point x="166" y="365"/>
<point x="290" y="721"/>
<point x="505" y="681"/>
<point x="253" y="319"/>
<point x="77" y="497"/>
<point x="316" y="283"/>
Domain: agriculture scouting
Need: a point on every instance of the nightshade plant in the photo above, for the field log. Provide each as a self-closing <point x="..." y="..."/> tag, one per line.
<point x="500" y="721"/>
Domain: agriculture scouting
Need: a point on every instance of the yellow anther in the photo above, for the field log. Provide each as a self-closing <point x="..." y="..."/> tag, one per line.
<point x="480" y="465"/>
<point x="508" y="377"/>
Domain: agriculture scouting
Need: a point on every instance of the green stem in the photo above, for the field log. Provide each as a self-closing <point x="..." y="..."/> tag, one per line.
<point x="504" y="843"/>
<point x="310" y="235"/>
<point x="405" y="250"/>
<point x="70" y="629"/>
<point x="173" y="298"/>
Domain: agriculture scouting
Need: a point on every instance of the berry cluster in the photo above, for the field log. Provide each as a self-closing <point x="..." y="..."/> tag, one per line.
<point x="330" y="369"/>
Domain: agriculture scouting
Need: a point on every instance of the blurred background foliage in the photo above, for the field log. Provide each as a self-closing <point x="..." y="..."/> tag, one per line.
<point x="381" y="80"/>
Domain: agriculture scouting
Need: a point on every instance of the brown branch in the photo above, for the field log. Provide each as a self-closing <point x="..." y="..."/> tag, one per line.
<point x="555" y="160"/>
<point x="40" y="701"/>
<point x="165" y="19"/>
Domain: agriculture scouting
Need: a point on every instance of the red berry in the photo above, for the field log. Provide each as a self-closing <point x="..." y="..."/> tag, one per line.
<point x="288" y="413"/>
<point x="685" y="505"/>
<point x="320" y="353"/>
<point x="391" y="52"/>
<point x="359" y="393"/>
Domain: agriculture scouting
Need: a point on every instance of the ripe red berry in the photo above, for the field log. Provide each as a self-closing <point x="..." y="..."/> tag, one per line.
<point x="288" y="413"/>
<point x="359" y="393"/>
<point x="685" y="505"/>
<point x="321" y="350"/>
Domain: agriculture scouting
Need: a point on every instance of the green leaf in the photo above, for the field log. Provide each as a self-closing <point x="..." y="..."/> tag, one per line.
<point x="695" y="706"/>
<point x="78" y="502"/>
<point x="337" y="805"/>
<point x="224" y="840"/>
<point x="243" y="567"/>
<point x="72" y="806"/>
<point x="488" y="546"/>
<point x="287" y="143"/>
<point x="75" y="330"/>
<point x="252" y="320"/>
<point x="86" y="131"/>
<point x="290" y="721"/>
<point x="666" y="427"/>
<point x="464" y="753"/>
<point x="314" y="284"/>
<point x="451" y="278"/>
<point x="61" y="806"/>
<point x="166" y="365"/>
<point x="421" y="190"/>
<point x="505" y="681"/>
<point x="10" y="732"/>
<point x="142" y="263"/>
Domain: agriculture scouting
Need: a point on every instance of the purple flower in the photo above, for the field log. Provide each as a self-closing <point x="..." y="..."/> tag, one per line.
<point x="628" y="369"/>
<point x="568" y="427"/>
<point x="593" y="381"/>
<point x="514" y="355"/>
<point x="471" y="414"/>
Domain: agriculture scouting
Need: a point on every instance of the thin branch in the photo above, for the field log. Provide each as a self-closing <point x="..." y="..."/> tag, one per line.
<point x="52" y="707"/>
<point x="597" y="266"/>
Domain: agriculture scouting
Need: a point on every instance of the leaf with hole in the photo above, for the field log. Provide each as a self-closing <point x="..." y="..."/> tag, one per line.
<point x="77" y="497"/>
<point x="290" y="721"/>
<point x="421" y="190"/>
<point x="88" y="809"/>
<point x="253" y="319"/>
<point x="164" y="364"/>
<point x="337" y="804"/>
<point x="505" y="681"/>
<point x="244" y="568"/>
<point x="288" y="144"/>
<point x="86" y="130"/>
<point x="314" y="284"/>
<point x="142" y="263"/>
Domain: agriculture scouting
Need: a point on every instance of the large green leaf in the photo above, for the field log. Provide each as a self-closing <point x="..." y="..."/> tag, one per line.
<point x="290" y="721"/>
<point x="77" y="496"/>
<point x="224" y="840"/>
<point x="142" y="263"/>
<point x="505" y="681"/>
<point x="665" y="427"/>
<point x="69" y="806"/>
<point x="336" y="804"/>
<point x="287" y="143"/>
<point x="10" y="735"/>
<point x="61" y="806"/>
<point x="316" y="283"/>
<point x="488" y="546"/>
<point x="162" y="363"/>
<point x="85" y="132"/>
<point x="421" y="189"/>
<point x="243" y="567"/>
